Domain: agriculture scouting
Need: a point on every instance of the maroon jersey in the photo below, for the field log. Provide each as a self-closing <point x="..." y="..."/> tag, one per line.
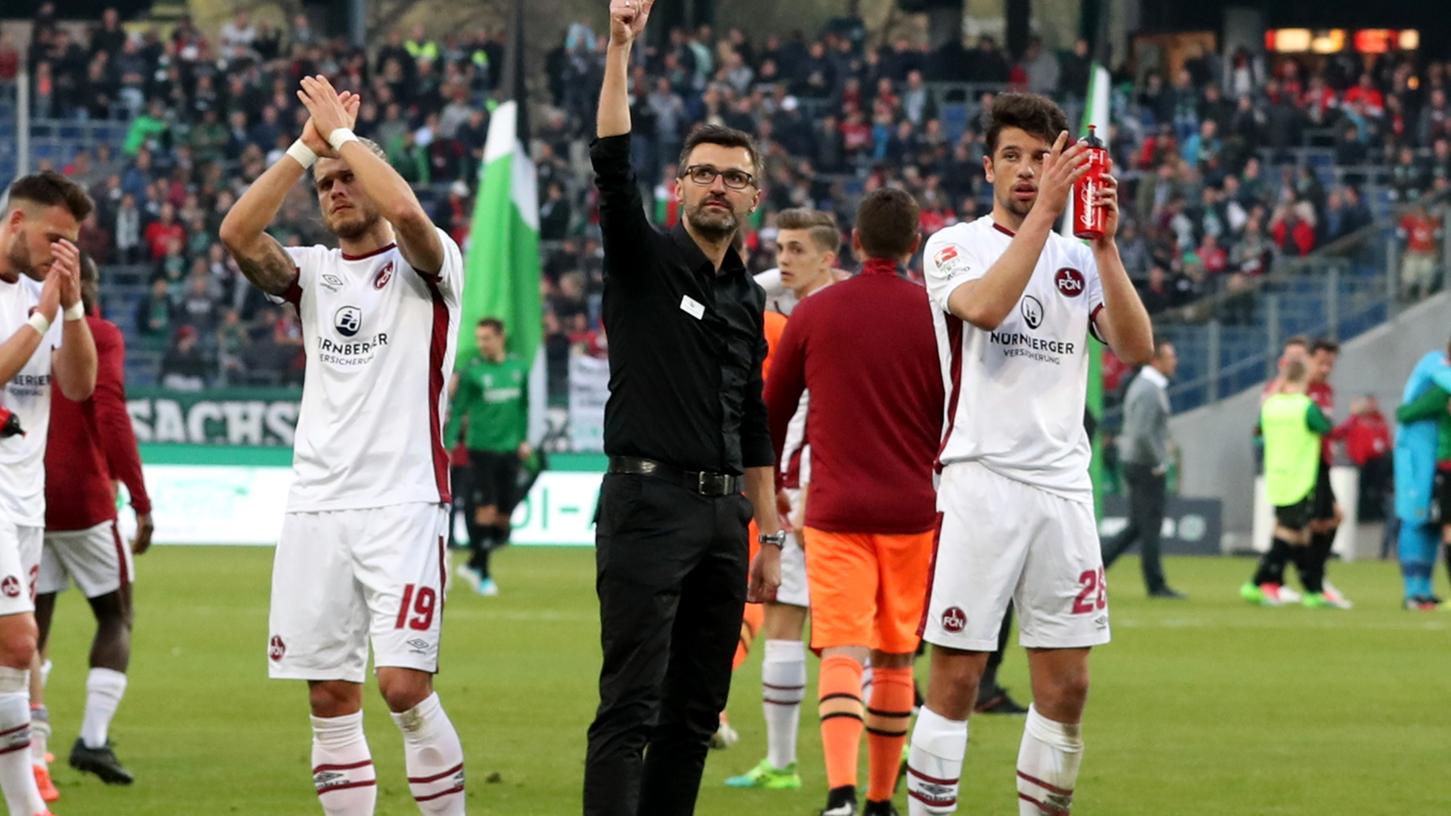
<point x="91" y="444"/>
<point x="865" y="349"/>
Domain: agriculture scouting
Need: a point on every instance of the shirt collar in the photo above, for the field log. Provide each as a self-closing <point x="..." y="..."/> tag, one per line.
<point x="695" y="257"/>
<point x="880" y="266"/>
<point x="1154" y="376"/>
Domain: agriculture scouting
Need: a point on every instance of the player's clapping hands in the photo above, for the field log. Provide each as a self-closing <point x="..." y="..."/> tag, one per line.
<point x="1061" y="168"/>
<point x="328" y="109"/>
<point x="66" y="269"/>
<point x="627" y="19"/>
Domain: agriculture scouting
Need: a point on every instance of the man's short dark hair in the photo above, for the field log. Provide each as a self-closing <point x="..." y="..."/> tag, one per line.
<point x="725" y="137"/>
<point x="1031" y="113"/>
<point x="1325" y="344"/>
<point x="492" y="323"/>
<point x="820" y="225"/>
<point x="51" y="189"/>
<point x="886" y="223"/>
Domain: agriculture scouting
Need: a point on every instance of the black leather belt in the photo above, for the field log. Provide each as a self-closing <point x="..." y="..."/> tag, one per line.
<point x="696" y="481"/>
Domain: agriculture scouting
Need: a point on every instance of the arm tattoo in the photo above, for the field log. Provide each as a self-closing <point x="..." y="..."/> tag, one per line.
<point x="268" y="266"/>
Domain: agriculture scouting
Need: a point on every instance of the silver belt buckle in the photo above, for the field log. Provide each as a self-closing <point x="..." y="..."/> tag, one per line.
<point x="702" y="482"/>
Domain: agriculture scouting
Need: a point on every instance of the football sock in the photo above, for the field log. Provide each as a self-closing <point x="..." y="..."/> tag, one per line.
<point x="1048" y="761"/>
<point x="39" y="735"/>
<point x="17" y="780"/>
<point x="934" y="764"/>
<point x="1320" y="547"/>
<point x="889" y="715"/>
<point x="499" y="536"/>
<point x="783" y="684"/>
<point x="1271" y="569"/>
<point x="434" y="758"/>
<point x="750" y="624"/>
<point x="840" y="707"/>
<point x="1304" y="558"/>
<point x="104" y="688"/>
<point x="342" y="767"/>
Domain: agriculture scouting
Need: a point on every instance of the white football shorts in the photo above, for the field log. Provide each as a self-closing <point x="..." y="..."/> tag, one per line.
<point x="20" y="547"/>
<point x="341" y="578"/>
<point x="793" y="590"/>
<point x="1002" y="540"/>
<point x="95" y="558"/>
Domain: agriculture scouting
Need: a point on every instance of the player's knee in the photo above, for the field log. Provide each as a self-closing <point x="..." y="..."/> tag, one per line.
<point x="18" y="639"/>
<point x="404" y="689"/>
<point x="334" y="699"/>
<point x="1067" y="693"/>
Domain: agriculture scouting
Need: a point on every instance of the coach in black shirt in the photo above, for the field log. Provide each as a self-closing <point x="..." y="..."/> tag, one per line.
<point x="685" y="431"/>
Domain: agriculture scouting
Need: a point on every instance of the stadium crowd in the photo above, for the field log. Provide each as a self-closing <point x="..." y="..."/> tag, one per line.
<point x="1205" y="152"/>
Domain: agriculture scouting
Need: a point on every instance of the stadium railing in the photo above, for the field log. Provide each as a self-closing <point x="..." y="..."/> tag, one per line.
<point x="1340" y="291"/>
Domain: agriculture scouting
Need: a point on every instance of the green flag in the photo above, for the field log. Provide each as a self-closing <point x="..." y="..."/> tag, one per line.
<point x="502" y="265"/>
<point x="1095" y="112"/>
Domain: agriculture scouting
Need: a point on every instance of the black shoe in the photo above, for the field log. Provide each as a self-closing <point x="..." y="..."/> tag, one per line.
<point x="840" y="802"/>
<point x="100" y="761"/>
<point x="883" y="808"/>
<point x="1000" y="703"/>
<point x="1167" y="593"/>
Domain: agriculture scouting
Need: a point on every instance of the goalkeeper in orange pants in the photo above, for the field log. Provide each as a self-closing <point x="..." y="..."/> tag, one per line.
<point x="865" y="350"/>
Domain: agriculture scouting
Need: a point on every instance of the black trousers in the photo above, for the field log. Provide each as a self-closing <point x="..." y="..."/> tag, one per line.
<point x="671" y="577"/>
<point x="1147" y="497"/>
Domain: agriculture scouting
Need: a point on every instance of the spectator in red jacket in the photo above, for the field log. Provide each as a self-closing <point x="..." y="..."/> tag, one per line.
<point x="160" y="233"/>
<point x="1293" y="228"/>
<point x="1367" y="440"/>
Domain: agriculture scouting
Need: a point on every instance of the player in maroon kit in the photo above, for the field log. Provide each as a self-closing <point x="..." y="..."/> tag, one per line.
<point x="91" y="447"/>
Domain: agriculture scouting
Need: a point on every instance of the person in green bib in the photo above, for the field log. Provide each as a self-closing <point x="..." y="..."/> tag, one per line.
<point x="1291" y="426"/>
<point x="491" y="408"/>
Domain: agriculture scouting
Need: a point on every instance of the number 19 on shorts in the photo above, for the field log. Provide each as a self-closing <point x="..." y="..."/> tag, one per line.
<point x="419" y="603"/>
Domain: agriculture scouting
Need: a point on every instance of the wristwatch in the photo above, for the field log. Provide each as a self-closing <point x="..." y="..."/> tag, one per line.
<point x="776" y="539"/>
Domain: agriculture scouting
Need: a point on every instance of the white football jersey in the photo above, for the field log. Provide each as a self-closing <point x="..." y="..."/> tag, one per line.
<point x="22" y="458"/>
<point x="1016" y="395"/>
<point x="380" y="340"/>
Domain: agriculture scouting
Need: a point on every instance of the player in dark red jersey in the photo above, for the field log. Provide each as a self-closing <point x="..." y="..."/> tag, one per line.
<point x="90" y="448"/>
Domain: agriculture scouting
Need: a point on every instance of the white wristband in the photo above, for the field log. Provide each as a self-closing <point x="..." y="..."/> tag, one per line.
<point x="38" y="322"/>
<point x="76" y="311"/>
<point x="340" y="137"/>
<point x="302" y="153"/>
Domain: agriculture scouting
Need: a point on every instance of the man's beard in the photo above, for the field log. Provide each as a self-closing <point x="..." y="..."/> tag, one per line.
<point x="20" y="261"/>
<point x="349" y="229"/>
<point x="714" y="224"/>
<point x="1016" y="207"/>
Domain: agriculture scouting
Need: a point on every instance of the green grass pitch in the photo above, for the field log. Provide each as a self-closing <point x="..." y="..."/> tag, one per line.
<point x="1205" y="707"/>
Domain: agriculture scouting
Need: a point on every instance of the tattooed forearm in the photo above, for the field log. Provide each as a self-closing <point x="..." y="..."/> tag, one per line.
<point x="267" y="265"/>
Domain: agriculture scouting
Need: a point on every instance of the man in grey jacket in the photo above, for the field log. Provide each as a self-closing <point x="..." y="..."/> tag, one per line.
<point x="1144" y="456"/>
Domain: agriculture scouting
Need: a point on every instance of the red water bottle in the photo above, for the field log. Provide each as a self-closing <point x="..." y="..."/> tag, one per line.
<point x="1087" y="215"/>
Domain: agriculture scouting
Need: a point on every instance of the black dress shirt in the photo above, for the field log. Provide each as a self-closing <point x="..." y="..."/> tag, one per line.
<point x="685" y="341"/>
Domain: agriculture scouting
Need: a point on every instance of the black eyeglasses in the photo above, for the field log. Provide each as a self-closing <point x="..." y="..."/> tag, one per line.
<point x="704" y="175"/>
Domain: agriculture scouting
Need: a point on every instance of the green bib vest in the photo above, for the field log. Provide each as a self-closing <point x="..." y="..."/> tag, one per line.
<point x="1292" y="450"/>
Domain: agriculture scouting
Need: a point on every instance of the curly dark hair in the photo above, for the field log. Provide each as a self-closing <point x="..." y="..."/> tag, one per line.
<point x="1030" y="113"/>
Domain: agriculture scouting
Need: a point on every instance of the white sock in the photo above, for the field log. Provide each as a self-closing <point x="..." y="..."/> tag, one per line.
<point x="1048" y="761"/>
<point x="39" y="735"/>
<point x="17" y="781"/>
<point x="342" y="767"/>
<point x="934" y="764"/>
<point x="104" y="689"/>
<point x="434" y="758"/>
<point x="783" y="684"/>
<point x="45" y="668"/>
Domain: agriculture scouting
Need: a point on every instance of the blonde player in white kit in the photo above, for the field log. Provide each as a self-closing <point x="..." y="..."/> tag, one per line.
<point x="1014" y="304"/>
<point x="43" y="337"/>
<point x="361" y="556"/>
